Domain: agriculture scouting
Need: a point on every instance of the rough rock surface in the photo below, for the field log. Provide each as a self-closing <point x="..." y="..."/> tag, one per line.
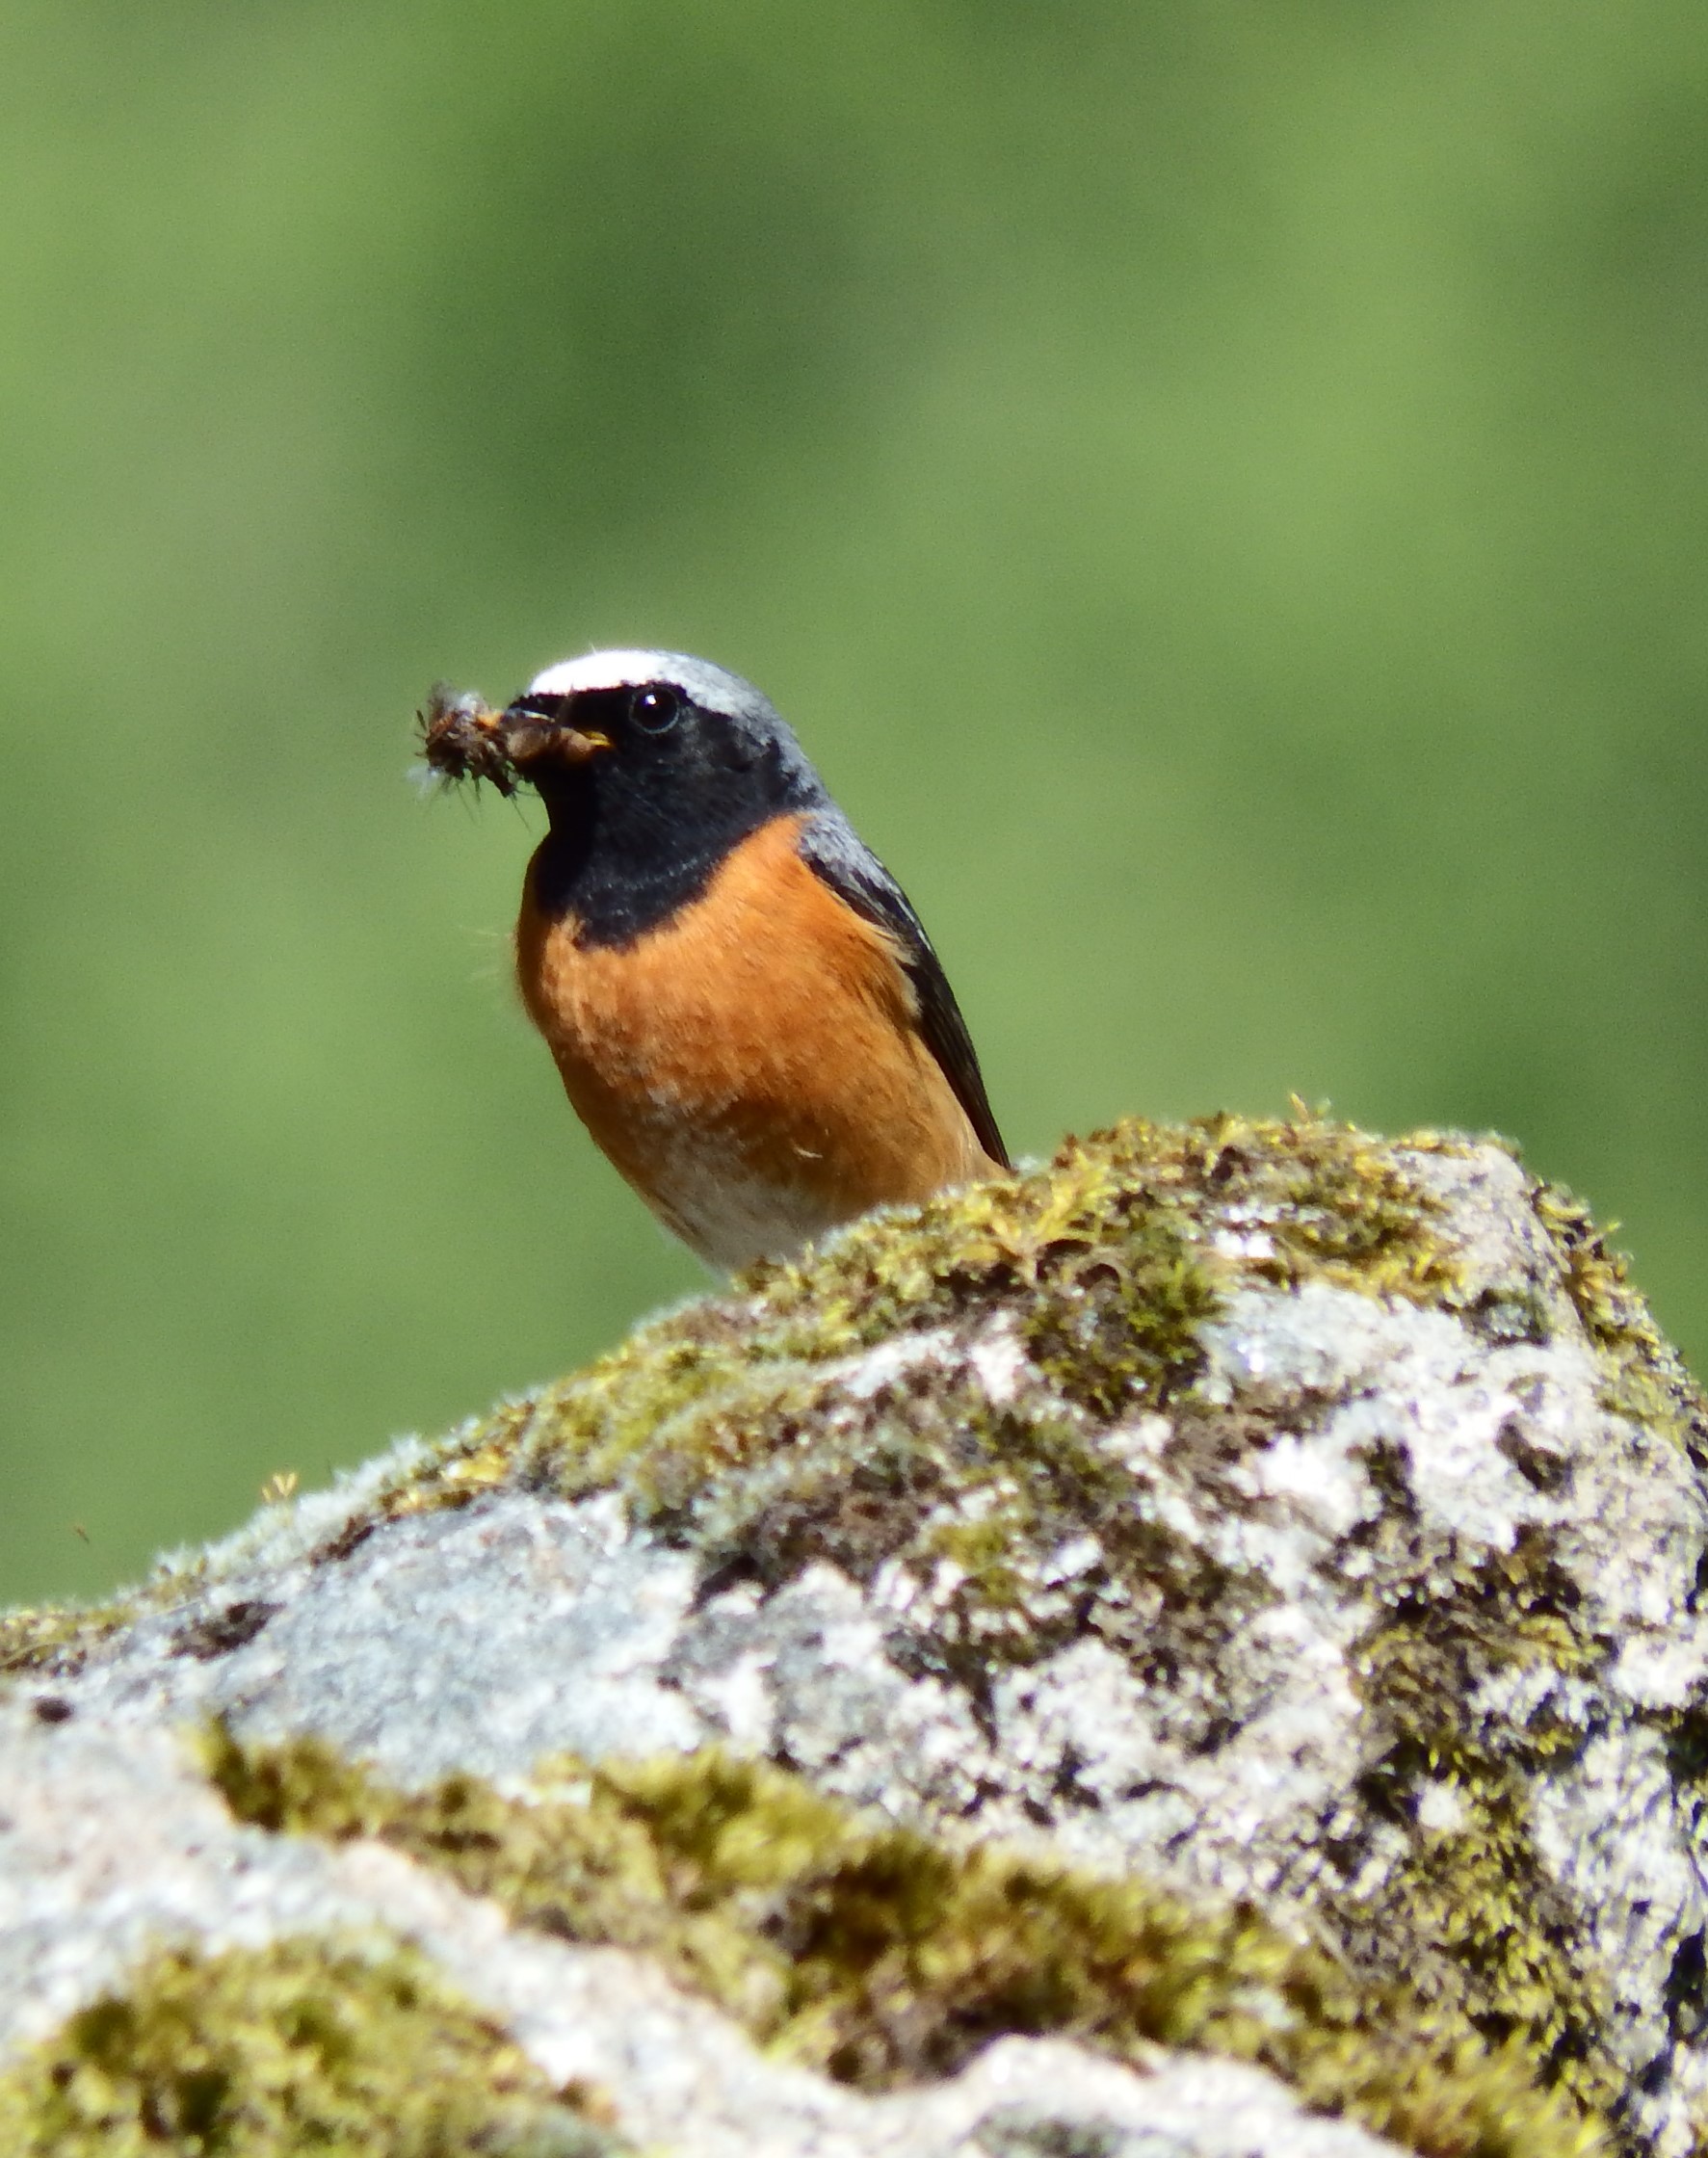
<point x="1221" y="1617"/>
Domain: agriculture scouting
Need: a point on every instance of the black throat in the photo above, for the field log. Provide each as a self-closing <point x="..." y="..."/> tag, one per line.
<point x="627" y="848"/>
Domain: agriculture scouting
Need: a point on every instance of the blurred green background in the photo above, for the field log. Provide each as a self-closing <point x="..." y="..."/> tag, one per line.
<point x="1218" y="487"/>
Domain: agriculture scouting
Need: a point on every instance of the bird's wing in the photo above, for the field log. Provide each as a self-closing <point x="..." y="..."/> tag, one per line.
<point x="833" y="851"/>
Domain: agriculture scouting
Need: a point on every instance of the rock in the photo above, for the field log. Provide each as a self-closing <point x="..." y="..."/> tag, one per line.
<point x="1188" y="1653"/>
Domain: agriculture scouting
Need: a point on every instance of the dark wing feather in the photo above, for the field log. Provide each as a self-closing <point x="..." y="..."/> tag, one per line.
<point x="833" y="851"/>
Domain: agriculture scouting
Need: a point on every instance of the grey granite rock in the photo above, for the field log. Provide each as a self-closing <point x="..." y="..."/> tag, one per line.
<point x="1378" y="1607"/>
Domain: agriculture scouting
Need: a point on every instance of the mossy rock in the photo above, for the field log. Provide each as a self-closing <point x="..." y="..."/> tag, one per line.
<point x="1233" y="1589"/>
<point x="302" y="2046"/>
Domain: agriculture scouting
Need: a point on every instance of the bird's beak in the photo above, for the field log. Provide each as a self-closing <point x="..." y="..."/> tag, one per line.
<point x="526" y="737"/>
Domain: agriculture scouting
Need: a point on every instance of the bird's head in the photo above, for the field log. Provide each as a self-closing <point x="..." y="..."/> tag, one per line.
<point x="655" y="734"/>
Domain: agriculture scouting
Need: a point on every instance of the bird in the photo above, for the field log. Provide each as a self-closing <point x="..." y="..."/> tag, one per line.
<point x="746" y="1012"/>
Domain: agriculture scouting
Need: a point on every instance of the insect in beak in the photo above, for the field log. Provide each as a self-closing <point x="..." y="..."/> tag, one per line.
<point x="526" y="735"/>
<point x="459" y="735"/>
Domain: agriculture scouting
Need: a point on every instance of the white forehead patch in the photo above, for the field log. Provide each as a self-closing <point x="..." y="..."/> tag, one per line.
<point x="713" y="687"/>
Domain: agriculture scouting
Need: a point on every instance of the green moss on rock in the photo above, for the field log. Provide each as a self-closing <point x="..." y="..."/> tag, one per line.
<point x="1646" y="1379"/>
<point x="882" y="1956"/>
<point x="729" y="1425"/>
<point x="1491" y="1940"/>
<point x="843" y="1409"/>
<point x="1107" y="1263"/>
<point x="301" y="2046"/>
<point x="1104" y="1264"/>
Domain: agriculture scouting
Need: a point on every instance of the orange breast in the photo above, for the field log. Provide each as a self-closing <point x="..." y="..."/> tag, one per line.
<point x="752" y="1067"/>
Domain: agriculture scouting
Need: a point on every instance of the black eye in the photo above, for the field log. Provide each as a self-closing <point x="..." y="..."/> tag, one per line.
<point x="654" y="708"/>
